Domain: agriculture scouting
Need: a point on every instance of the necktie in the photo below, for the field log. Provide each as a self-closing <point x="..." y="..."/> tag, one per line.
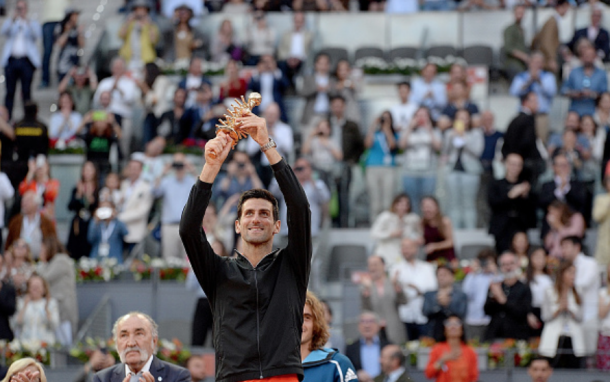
<point x="135" y="377"/>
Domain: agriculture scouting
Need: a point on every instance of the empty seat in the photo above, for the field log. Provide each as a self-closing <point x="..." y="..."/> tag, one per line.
<point x="402" y="52"/>
<point x="368" y="51"/>
<point x="346" y="255"/>
<point x="470" y="251"/>
<point x="335" y="54"/>
<point x="479" y="55"/>
<point x="442" y="51"/>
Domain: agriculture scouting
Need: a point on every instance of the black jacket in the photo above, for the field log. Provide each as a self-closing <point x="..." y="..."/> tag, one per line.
<point x="509" y="320"/>
<point x="578" y="198"/>
<point x="8" y="305"/>
<point x="602" y="41"/>
<point x="258" y="312"/>
<point x="520" y="137"/>
<point x="352" y="351"/>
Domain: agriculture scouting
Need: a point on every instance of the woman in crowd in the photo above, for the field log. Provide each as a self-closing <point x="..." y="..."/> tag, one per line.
<point x="601" y="215"/>
<point x="183" y="40"/>
<point x="602" y="110"/>
<point x="421" y="142"/>
<point x="70" y="41"/>
<point x="325" y="153"/>
<point x="437" y="231"/>
<point x="101" y="132"/>
<point x="20" y="264"/>
<point x="563" y="222"/>
<point x="260" y="40"/>
<point x="346" y="86"/>
<point x="462" y="148"/>
<point x="83" y="203"/>
<point x="603" y="342"/>
<point x="38" y="179"/>
<point x="37" y="316"/>
<point x="595" y="136"/>
<point x="25" y="369"/>
<point x="64" y="122"/>
<point x="381" y="140"/>
<point x="112" y="190"/>
<point x="233" y="86"/>
<point x="391" y="226"/>
<point x="106" y="233"/>
<point x="452" y="360"/>
<point x="173" y="123"/>
<point x="562" y="336"/>
<point x="520" y="246"/>
<point x="537" y="278"/>
<point x="57" y="268"/>
<point x="225" y="45"/>
<point x="81" y="83"/>
<point x="157" y="91"/>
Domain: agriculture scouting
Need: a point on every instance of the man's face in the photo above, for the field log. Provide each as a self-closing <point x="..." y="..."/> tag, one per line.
<point x="572" y="121"/>
<point x="429" y="72"/>
<point x="368" y="327"/>
<point x="404" y="91"/>
<point x="408" y="249"/>
<point x="596" y="17"/>
<point x="308" y="322"/>
<point x="272" y="114"/>
<point x="514" y="165"/>
<point x="561" y="166"/>
<point x="134" y="169"/>
<point x="28" y="204"/>
<point x="532" y="102"/>
<point x="337" y="107"/>
<point x="21" y="8"/>
<point x="536" y="63"/>
<point x="508" y="263"/>
<point x="118" y="68"/>
<point x="135" y="343"/>
<point x="588" y="55"/>
<point x="179" y="97"/>
<point x="375" y="266"/>
<point x="299" y="20"/>
<point x="241" y="161"/>
<point x="322" y="65"/>
<point x="196" y="367"/>
<point x="204" y="95"/>
<point x="540" y="371"/>
<point x="569" y="250"/>
<point x="563" y="9"/>
<point x="387" y="360"/>
<point x="302" y="170"/>
<point x="195" y="67"/>
<point x="444" y="277"/>
<point x="519" y="13"/>
<point x="256" y="223"/>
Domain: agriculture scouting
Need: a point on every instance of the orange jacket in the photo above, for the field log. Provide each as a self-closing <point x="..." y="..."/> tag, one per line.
<point x="463" y="369"/>
<point x="50" y="192"/>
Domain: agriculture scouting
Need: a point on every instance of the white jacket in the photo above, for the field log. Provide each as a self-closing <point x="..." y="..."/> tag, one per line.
<point x="554" y="327"/>
<point x="136" y="209"/>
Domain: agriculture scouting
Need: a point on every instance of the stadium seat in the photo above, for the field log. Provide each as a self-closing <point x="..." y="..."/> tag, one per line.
<point x="368" y="51"/>
<point x="479" y="55"/>
<point x="470" y="251"/>
<point x="335" y="54"/>
<point x="442" y="51"/>
<point x="344" y="255"/>
<point x="402" y="52"/>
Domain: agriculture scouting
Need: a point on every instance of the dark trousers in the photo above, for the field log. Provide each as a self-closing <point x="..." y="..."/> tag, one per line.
<point x="48" y="39"/>
<point x="565" y="358"/>
<point x="150" y="128"/>
<point x="343" y="184"/>
<point x="18" y="69"/>
<point x="202" y="322"/>
<point x="416" y="331"/>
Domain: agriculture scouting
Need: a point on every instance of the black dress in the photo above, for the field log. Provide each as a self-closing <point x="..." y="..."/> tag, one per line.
<point x="78" y="245"/>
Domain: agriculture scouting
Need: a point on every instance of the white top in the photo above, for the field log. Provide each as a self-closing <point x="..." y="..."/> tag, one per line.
<point x="266" y="89"/>
<point x="538" y="286"/>
<point x="401" y="6"/>
<point x="123" y="99"/>
<point x="297" y="46"/>
<point x="283" y="137"/>
<point x="587" y="283"/>
<point x="402" y="114"/>
<point x="36" y="325"/>
<point x="6" y="192"/>
<point x="61" y="127"/>
<point x="19" y="48"/>
<point x="420" y="274"/>
<point x="389" y="247"/>
<point x="54" y="10"/>
<point x="436" y="102"/>
<point x="604" y="325"/>
<point x="322" y="104"/>
<point x="419" y="155"/>
<point x="145" y="368"/>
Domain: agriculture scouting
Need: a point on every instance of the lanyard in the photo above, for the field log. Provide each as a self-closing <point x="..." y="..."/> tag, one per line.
<point x="107" y="231"/>
<point x="29" y="226"/>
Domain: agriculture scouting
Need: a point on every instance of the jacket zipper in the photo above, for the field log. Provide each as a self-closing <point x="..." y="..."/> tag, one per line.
<point x="258" y="339"/>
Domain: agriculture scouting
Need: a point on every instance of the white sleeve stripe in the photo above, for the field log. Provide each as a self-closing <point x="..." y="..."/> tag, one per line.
<point x="339" y="369"/>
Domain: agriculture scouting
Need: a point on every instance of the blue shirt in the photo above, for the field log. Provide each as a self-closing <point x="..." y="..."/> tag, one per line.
<point x="174" y="193"/>
<point x="597" y="82"/>
<point x="380" y="153"/>
<point x="370" y="355"/>
<point x="545" y="88"/>
<point x="489" y="150"/>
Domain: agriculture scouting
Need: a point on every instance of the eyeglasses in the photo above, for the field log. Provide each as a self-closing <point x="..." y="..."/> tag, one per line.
<point x="300" y="168"/>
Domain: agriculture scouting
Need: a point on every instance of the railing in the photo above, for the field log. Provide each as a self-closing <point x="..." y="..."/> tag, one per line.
<point x="99" y="323"/>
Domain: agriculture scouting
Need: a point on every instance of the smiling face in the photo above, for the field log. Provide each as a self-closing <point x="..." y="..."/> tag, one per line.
<point x="135" y="342"/>
<point x="308" y="322"/>
<point x="256" y="223"/>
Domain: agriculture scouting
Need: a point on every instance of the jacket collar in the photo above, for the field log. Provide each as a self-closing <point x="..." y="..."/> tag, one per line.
<point x="243" y="262"/>
<point x="318" y="357"/>
<point x="156" y="369"/>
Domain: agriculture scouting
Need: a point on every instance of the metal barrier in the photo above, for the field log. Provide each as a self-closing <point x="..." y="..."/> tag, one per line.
<point x="99" y="323"/>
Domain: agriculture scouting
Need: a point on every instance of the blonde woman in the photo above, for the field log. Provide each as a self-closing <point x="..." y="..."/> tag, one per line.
<point x="25" y="370"/>
<point x="37" y="315"/>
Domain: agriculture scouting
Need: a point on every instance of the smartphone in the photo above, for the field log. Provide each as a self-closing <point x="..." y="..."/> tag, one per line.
<point x="99" y="115"/>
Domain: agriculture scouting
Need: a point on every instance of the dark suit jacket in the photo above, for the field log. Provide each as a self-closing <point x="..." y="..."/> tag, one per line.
<point x="437" y="314"/>
<point x="404" y="377"/>
<point x="161" y="370"/>
<point x="602" y="41"/>
<point x="8" y="305"/>
<point x="520" y="137"/>
<point x="579" y="199"/>
<point x="509" y="320"/>
<point x="352" y="142"/>
<point x="352" y="351"/>
<point x="280" y="84"/>
<point x="519" y="211"/>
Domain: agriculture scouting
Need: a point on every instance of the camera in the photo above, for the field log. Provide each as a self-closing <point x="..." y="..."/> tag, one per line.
<point x="241" y="165"/>
<point x="178" y="165"/>
<point x="103" y="213"/>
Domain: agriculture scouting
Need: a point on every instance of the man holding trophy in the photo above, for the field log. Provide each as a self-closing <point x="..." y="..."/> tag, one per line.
<point x="257" y="297"/>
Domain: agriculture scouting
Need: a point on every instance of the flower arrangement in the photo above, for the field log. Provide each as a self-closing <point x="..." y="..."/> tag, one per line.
<point x="171" y="351"/>
<point x="180" y="67"/>
<point x="15" y="350"/>
<point x="406" y="66"/>
<point x="521" y="351"/>
<point x="170" y="269"/>
<point x="97" y="270"/>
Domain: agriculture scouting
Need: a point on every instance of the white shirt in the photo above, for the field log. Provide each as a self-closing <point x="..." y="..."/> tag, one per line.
<point x="421" y="274"/>
<point x="402" y="114"/>
<point x="419" y="155"/>
<point x="64" y="128"/>
<point x="438" y="100"/>
<point x="592" y="33"/>
<point x="122" y="99"/>
<point x="145" y="368"/>
<point x="266" y="89"/>
<point x="322" y="103"/>
<point x="538" y="286"/>
<point x="19" y="48"/>
<point x="192" y="82"/>
<point x="587" y="285"/>
<point x="6" y="192"/>
<point x="283" y="137"/>
<point x="297" y="46"/>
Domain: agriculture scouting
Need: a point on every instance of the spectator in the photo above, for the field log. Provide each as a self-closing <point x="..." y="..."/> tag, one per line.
<point x="31" y="139"/>
<point x="84" y="201"/>
<point x="8" y="301"/>
<point x="137" y="202"/>
<point x="585" y="83"/>
<point x="403" y="112"/>
<point x="562" y="336"/>
<point x="170" y="8"/>
<point x="603" y="342"/>
<point x="429" y="91"/>
<point x="199" y="119"/>
<point x="602" y="110"/>
<point x="124" y="95"/>
<point x="547" y="39"/>
<point x="515" y="51"/>
<point x="195" y="364"/>
<point x="20" y="55"/>
<point x="416" y="277"/>
<point x="587" y="285"/>
<point x="462" y="148"/>
<point x="443" y="303"/>
<point x="458" y="74"/>
<point x="156" y="89"/>
<point x="382" y="296"/>
<point x="595" y="136"/>
<point x="57" y="268"/>
<point x="140" y="35"/>
<point x="101" y="132"/>
<point x="98" y="361"/>
<point x="476" y="287"/>
<point x="540" y="369"/>
<point x="538" y="279"/>
<point x="365" y="352"/>
<point x="153" y="163"/>
<point x="421" y="142"/>
<point x="260" y="40"/>
<point x="7" y="136"/>
<point x="391" y="226"/>
<point x="64" y="122"/>
<point x="30" y="224"/>
<point x="19" y="265"/>
<point x="106" y="233"/>
<point x="271" y="83"/>
<point x="459" y="101"/>
<point x="225" y="44"/>
<point x="512" y="204"/>
<point x="172" y="121"/>
<point x="174" y="188"/>
<point x="112" y="190"/>
<point x="381" y="142"/>
<point x="520" y="138"/>
<point x="392" y="365"/>
<point x="236" y="7"/>
<point x="37" y="315"/>
<point x="326" y="154"/>
<point x="491" y="149"/>
<point x="316" y="90"/>
<point x="25" y="369"/>
<point x="438" y="231"/>
<point x="452" y="360"/>
<point x="562" y="222"/>
<point x="347" y="86"/>
<point x="241" y="176"/>
<point x="234" y="86"/>
<point x="543" y="84"/>
<point x="52" y="15"/>
<point x="81" y="83"/>
<point x="575" y="154"/>
<point x="193" y="81"/>
<point x="69" y="40"/>
<point x="294" y="47"/>
<point x="508" y="303"/>
<point x="555" y="142"/>
<point x="520" y="246"/>
<point x="595" y="33"/>
<point x="479" y="5"/>
<point x="281" y="133"/>
<point x="6" y="192"/>
<point x="182" y="42"/>
<point x="38" y="180"/>
<point x="601" y="215"/>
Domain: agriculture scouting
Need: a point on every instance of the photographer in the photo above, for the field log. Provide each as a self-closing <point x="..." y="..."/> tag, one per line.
<point x="81" y="84"/>
<point x="106" y="233"/>
<point x="174" y="186"/>
<point x="70" y="41"/>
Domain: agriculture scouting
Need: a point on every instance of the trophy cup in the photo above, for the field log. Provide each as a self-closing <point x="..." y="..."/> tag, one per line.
<point x="229" y="124"/>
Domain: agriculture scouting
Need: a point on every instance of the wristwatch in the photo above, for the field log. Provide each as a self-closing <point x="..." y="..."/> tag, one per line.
<point x="268" y="145"/>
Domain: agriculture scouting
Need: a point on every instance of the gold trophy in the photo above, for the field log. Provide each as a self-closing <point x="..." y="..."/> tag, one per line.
<point x="229" y="124"/>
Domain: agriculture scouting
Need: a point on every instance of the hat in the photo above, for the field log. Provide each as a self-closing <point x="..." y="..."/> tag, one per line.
<point x="140" y="3"/>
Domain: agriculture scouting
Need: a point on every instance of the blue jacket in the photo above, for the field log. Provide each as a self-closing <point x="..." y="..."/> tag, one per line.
<point x="94" y="235"/>
<point x="328" y="365"/>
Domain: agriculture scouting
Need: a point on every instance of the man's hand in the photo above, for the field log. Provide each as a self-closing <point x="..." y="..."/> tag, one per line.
<point x="256" y="127"/>
<point x="147" y="377"/>
<point x="220" y="146"/>
<point x="498" y="293"/>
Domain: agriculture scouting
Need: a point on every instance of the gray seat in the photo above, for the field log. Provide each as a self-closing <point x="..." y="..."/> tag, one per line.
<point x="402" y="52"/>
<point x="479" y="55"/>
<point x="346" y="257"/>
<point x="368" y="51"/>
<point x="335" y="54"/>
<point x="471" y="251"/>
<point x="442" y="51"/>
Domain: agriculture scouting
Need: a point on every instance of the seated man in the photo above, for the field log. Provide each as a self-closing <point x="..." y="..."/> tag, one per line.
<point x="365" y="352"/>
<point x="585" y="83"/>
<point x="393" y="365"/>
<point x="595" y="33"/>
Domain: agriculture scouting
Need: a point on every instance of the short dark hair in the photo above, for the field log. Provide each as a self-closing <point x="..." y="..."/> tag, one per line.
<point x="573" y="239"/>
<point x="445" y="267"/>
<point x="337" y="96"/>
<point x="559" y="3"/>
<point x="525" y="96"/>
<point x="404" y="83"/>
<point x="540" y="358"/>
<point x="399" y="355"/>
<point x="30" y="109"/>
<point x="258" y="193"/>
